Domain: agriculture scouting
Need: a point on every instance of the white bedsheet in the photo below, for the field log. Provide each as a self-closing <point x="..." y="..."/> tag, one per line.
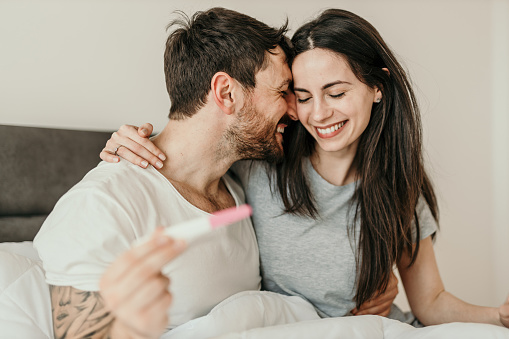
<point x="261" y="315"/>
<point x="25" y="312"/>
<point x="25" y="306"/>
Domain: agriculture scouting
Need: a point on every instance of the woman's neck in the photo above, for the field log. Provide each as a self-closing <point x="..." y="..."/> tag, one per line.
<point x="337" y="168"/>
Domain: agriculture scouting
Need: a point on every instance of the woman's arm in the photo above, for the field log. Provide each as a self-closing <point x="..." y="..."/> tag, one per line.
<point x="429" y="300"/>
<point x="133" y="144"/>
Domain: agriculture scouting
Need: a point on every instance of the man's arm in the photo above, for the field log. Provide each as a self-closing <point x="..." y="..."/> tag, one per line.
<point x="133" y="298"/>
<point x="79" y="314"/>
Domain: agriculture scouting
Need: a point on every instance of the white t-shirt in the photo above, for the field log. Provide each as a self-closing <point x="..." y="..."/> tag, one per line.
<point x="116" y="204"/>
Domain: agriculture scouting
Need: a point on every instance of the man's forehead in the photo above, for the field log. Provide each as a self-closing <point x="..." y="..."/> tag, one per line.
<point x="277" y="74"/>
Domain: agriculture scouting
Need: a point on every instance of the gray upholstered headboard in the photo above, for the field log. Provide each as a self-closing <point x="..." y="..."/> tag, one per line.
<point x="37" y="166"/>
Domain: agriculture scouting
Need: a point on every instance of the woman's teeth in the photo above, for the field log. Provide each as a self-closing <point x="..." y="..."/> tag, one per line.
<point x="331" y="129"/>
<point x="280" y="129"/>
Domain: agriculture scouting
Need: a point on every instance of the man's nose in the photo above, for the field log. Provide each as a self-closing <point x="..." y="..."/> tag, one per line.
<point x="291" y="102"/>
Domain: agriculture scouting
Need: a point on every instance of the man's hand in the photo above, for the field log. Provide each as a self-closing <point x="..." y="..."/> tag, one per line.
<point x="133" y="144"/>
<point x="503" y="311"/>
<point x="135" y="291"/>
<point x="380" y="305"/>
<point x="133" y="300"/>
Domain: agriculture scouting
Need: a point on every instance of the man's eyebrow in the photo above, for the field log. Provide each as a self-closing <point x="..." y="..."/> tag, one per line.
<point x="330" y="84"/>
<point x="284" y="84"/>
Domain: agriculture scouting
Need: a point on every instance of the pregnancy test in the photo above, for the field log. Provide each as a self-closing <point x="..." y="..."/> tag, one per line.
<point x="192" y="229"/>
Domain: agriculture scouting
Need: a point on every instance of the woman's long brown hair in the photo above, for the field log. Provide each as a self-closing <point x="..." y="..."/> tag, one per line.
<point x="390" y="171"/>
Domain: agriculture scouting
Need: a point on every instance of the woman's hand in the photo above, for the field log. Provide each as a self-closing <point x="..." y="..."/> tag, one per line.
<point x="503" y="311"/>
<point x="133" y="144"/>
<point x="380" y="305"/>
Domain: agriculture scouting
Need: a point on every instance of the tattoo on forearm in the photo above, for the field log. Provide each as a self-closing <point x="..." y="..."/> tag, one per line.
<point x="79" y="314"/>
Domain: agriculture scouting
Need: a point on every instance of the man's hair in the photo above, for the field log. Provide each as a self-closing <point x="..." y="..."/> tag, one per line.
<point x="217" y="40"/>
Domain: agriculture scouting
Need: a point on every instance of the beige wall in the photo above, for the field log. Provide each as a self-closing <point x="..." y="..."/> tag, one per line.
<point x="98" y="64"/>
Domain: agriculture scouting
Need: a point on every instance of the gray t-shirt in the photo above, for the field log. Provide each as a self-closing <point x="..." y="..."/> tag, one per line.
<point x="310" y="258"/>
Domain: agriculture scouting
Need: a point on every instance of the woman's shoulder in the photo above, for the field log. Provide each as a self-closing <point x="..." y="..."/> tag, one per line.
<point x="244" y="170"/>
<point x="427" y="223"/>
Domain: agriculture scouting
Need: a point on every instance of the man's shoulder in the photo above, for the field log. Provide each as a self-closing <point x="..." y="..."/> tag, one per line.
<point x="105" y="172"/>
<point x="120" y="185"/>
<point x="118" y="177"/>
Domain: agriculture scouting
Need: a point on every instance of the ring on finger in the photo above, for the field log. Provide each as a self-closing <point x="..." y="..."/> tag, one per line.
<point x="116" y="149"/>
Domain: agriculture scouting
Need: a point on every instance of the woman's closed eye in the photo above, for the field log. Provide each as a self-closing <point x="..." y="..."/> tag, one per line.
<point x="334" y="96"/>
<point x="337" y="95"/>
<point x="302" y="100"/>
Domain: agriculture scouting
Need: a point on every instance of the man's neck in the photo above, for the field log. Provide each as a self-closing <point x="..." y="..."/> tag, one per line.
<point x="196" y="155"/>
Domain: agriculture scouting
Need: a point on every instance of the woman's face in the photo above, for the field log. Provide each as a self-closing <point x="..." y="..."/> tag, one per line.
<point x="332" y="104"/>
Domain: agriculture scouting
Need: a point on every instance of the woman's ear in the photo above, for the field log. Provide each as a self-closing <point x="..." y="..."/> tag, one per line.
<point x="224" y="90"/>
<point x="378" y="95"/>
<point x="378" y="92"/>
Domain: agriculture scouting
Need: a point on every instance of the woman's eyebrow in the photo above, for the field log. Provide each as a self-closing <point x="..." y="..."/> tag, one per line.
<point x="330" y="84"/>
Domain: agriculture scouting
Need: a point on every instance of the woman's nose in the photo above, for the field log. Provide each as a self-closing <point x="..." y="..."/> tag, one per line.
<point x="321" y="111"/>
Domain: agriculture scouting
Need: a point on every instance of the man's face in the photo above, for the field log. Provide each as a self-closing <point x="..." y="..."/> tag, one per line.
<point x="255" y="133"/>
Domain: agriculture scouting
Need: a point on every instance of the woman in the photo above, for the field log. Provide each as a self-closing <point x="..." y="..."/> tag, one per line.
<point x="353" y="197"/>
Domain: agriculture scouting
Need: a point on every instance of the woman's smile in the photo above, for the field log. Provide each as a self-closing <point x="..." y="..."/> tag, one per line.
<point x="330" y="131"/>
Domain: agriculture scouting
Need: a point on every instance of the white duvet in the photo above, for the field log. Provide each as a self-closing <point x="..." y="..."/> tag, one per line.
<point x="25" y="312"/>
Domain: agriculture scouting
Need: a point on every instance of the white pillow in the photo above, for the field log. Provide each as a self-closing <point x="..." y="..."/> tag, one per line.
<point x="25" y="249"/>
<point x="25" y="310"/>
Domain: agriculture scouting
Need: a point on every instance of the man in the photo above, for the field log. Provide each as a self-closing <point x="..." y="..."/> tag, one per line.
<point x="226" y="75"/>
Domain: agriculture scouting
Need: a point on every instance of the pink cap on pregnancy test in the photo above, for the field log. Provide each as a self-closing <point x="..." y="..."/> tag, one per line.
<point x="191" y="229"/>
<point x="229" y="216"/>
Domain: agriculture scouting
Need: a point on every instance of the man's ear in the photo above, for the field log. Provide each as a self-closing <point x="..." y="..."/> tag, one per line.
<point x="225" y="92"/>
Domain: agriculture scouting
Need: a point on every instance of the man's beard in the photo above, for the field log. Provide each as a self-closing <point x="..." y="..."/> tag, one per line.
<point x="253" y="138"/>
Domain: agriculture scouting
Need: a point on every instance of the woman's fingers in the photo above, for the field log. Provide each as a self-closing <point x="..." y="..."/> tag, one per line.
<point x="140" y="149"/>
<point x="132" y="144"/>
<point x="382" y="309"/>
<point x="109" y="152"/>
<point x="141" y="137"/>
<point x="381" y="304"/>
<point x="107" y="156"/>
<point x="145" y="130"/>
<point x="129" y="150"/>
